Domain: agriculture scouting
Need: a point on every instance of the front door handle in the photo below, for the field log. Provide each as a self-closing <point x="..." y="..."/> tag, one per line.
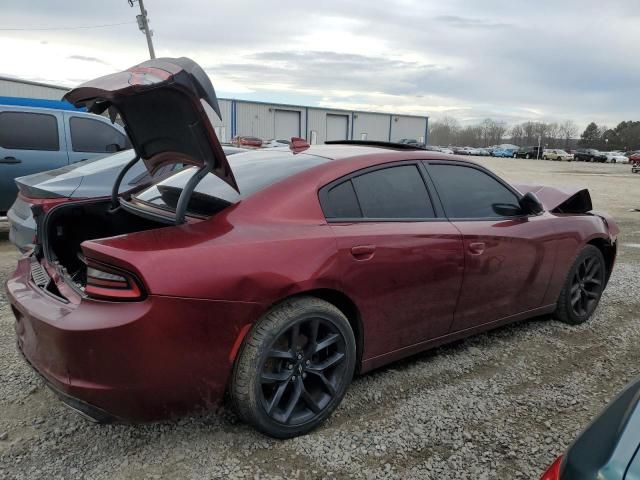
<point x="10" y="160"/>
<point x="476" y="248"/>
<point x="363" y="252"/>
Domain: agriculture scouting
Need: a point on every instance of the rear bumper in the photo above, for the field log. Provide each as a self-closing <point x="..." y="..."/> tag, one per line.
<point x="135" y="361"/>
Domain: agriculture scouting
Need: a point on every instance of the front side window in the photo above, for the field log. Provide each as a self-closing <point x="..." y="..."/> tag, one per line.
<point x="468" y="192"/>
<point x="94" y="136"/>
<point x="29" y="131"/>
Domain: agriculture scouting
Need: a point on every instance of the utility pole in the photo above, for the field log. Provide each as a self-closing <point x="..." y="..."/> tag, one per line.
<point x="143" y="25"/>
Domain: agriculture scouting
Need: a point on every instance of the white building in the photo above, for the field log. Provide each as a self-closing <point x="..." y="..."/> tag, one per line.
<point x="270" y="120"/>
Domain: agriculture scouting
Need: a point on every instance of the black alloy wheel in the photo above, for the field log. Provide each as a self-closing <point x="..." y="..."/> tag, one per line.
<point x="586" y="286"/>
<point x="294" y="367"/>
<point x="583" y="288"/>
<point x="302" y="372"/>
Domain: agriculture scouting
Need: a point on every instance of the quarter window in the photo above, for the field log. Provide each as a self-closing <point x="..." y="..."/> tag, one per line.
<point x="341" y="202"/>
<point x="29" y="131"/>
<point x="467" y="192"/>
<point x="88" y="135"/>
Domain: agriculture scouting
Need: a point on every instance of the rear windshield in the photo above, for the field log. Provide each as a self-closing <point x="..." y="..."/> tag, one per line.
<point x="253" y="171"/>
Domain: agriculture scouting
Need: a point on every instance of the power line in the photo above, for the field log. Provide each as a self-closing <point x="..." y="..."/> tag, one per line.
<point x="63" y="28"/>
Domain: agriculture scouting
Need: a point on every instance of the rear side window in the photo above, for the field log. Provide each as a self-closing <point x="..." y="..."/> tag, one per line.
<point x="467" y="192"/>
<point x="395" y="192"/>
<point x="388" y="193"/>
<point x="29" y="131"/>
<point x="88" y="135"/>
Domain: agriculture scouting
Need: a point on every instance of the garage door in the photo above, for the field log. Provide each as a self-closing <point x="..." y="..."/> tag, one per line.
<point x="287" y="124"/>
<point x="337" y="127"/>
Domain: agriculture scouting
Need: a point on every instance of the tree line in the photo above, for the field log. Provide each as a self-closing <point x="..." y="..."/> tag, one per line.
<point x="448" y="131"/>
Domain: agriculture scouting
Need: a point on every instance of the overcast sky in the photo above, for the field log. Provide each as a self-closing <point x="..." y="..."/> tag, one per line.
<point x="514" y="60"/>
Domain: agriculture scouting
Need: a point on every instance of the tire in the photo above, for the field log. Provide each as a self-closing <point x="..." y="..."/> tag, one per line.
<point x="279" y="363"/>
<point x="613" y="160"/>
<point x="583" y="287"/>
<point x="515" y="155"/>
<point x="527" y="156"/>
<point x="544" y="157"/>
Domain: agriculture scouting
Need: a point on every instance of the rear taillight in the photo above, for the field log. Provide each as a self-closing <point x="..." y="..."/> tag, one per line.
<point x="45" y="203"/>
<point x="553" y="472"/>
<point x="109" y="283"/>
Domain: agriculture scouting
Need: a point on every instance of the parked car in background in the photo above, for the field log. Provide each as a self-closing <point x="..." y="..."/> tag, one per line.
<point x="466" y="151"/>
<point x="446" y="150"/>
<point x="273" y="143"/>
<point x="615" y="157"/>
<point x="608" y="448"/>
<point x="36" y="138"/>
<point x="502" y="152"/>
<point x="407" y="141"/>
<point x="92" y="178"/>
<point x="557" y="154"/>
<point x="244" y="141"/>
<point x="529" y="152"/>
<point x="589" y="155"/>
<point x="634" y="159"/>
<point x="485" y="152"/>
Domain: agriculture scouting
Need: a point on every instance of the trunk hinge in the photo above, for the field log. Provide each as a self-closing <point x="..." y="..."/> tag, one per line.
<point x="185" y="195"/>
<point x="115" y="201"/>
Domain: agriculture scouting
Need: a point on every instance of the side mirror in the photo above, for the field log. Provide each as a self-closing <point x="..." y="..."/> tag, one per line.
<point x="530" y="204"/>
<point x="112" y="148"/>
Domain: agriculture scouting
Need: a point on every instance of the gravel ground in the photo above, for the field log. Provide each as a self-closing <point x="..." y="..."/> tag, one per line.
<point x="500" y="405"/>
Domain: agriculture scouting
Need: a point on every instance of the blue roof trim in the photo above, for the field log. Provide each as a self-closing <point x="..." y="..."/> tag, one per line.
<point x="40" y="103"/>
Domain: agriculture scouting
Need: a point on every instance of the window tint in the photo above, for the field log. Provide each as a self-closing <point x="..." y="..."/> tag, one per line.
<point x="341" y="202"/>
<point x="467" y="192"/>
<point x="28" y="131"/>
<point x="395" y="192"/>
<point x="88" y="135"/>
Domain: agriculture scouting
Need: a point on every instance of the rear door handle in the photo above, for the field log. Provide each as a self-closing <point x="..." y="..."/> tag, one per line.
<point x="363" y="252"/>
<point x="10" y="160"/>
<point x="476" y="248"/>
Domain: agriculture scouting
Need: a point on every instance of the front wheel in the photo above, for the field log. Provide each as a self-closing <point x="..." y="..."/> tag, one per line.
<point x="527" y="156"/>
<point x="294" y="367"/>
<point x="583" y="288"/>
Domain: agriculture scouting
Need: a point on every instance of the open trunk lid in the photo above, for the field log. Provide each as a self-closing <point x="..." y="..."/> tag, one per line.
<point x="163" y="104"/>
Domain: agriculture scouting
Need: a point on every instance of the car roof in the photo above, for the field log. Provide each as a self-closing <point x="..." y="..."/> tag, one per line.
<point x="343" y="152"/>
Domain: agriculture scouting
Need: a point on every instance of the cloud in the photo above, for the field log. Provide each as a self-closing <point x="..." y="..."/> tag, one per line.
<point x="84" y="58"/>
<point x="509" y="59"/>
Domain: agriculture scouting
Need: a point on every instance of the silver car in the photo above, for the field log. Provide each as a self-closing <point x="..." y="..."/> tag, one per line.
<point x="88" y="179"/>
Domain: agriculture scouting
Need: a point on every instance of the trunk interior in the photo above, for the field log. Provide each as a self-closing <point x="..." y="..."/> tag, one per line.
<point x="67" y="226"/>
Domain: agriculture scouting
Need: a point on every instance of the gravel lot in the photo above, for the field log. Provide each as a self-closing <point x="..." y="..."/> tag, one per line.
<point x="497" y="406"/>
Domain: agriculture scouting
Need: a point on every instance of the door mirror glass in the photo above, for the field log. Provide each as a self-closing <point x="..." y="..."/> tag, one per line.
<point x="530" y="204"/>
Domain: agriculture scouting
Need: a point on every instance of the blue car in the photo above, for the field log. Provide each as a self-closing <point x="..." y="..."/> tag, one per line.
<point x="40" y="135"/>
<point x="502" y="152"/>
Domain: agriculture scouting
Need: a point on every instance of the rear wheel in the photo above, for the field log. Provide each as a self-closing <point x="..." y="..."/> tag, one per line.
<point x="527" y="156"/>
<point x="583" y="288"/>
<point x="294" y="367"/>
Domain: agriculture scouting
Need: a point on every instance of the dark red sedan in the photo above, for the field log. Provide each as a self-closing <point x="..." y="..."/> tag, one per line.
<point x="274" y="275"/>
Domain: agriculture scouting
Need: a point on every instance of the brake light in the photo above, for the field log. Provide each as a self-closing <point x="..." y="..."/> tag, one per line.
<point x="45" y="203"/>
<point x="553" y="472"/>
<point x="109" y="283"/>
